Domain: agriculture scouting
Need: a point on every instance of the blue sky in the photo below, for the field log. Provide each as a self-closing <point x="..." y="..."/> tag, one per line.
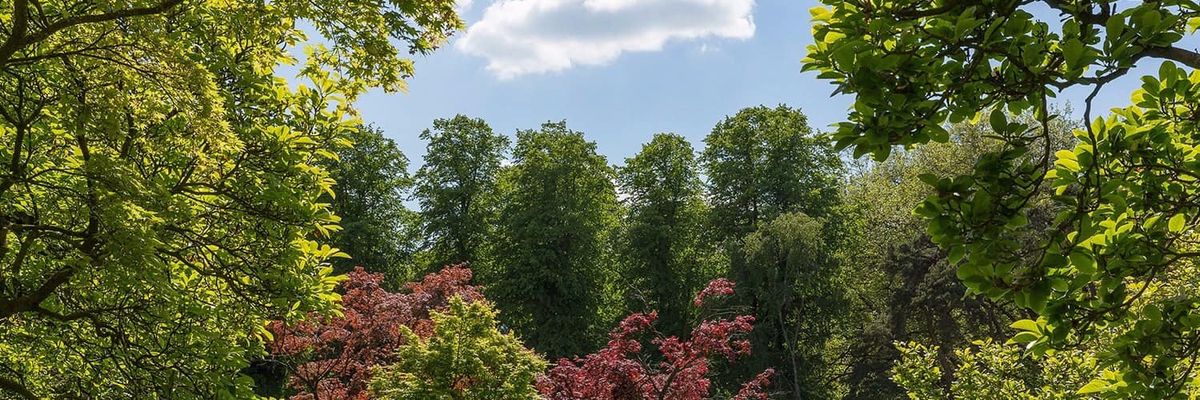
<point x="680" y="66"/>
<point x="686" y="88"/>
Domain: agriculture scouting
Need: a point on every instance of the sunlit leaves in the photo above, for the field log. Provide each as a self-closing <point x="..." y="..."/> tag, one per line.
<point x="1125" y="194"/>
<point x="162" y="192"/>
<point x="465" y="357"/>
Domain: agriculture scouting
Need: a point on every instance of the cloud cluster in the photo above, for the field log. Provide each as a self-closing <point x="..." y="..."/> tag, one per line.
<point x="520" y="37"/>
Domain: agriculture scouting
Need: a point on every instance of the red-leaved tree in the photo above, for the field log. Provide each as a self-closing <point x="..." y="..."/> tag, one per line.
<point x="332" y="357"/>
<point x="620" y="371"/>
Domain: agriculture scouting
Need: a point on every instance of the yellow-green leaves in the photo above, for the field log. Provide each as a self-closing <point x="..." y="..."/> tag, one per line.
<point x="1095" y="386"/>
<point x="1176" y="223"/>
<point x="1083" y="261"/>
<point x="820" y="14"/>
<point x="179" y="176"/>
<point x="1067" y="159"/>
<point x="466" y="342"/>
<point x="1124" y="193"/>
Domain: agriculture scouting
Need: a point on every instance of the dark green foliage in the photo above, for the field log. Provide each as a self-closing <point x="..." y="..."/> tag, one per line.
<point x="908" y="289"/>
<point x="551" y="257"/>
<point x="378" y="231"/>
<point x="764" y="162"/>
<point x="787" y="274"/>
<point x="663" y="241"/>
<point x="457" y="187"/>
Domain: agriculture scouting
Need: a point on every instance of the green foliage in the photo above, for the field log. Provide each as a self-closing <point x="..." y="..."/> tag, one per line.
<point x="991" y="371"/>
<point x="378" y="232"/>
<point x="663" y="238"/>
<point x="764" y="162"/>
<point x="558" y="206"/>
<point x="903" y="286"/>
<point x="1127" y="191"/>
<point x="457" y="188"/>
<point x="787" y="274"/>
<point x="160" y="195"/>
<point x="466" y="357"/>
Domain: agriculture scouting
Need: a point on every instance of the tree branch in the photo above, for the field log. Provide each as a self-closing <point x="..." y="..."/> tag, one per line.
<point x="31" y="301"/>
<point x="12" y="386"/>
<point x="1182" y="56"/>
<point x="20" y="27"/>
<point x="19" y="39"/>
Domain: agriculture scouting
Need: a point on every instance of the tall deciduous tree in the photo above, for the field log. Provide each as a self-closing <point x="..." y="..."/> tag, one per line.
<point x="788" y="274"/>
<point x="457" y="187"/>
<point x="158" y="193"/>
<point x="1127" y="192"/>
<point x="763" y="162"/>
<point x="558" y="207"/>
<point x="663" y="239"/>
<point x="378" y="231"/>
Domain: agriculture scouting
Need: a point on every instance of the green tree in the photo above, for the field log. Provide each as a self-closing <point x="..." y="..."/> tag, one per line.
<point x="559" y="205"/>
<point x="764" y="162"/>
<point x="378" y="231"/>
<point x="991" y="371"/>
<point x="159" y="194"/>
<point x="790" y="281"/>
<point x="457" y="188"/>
<point x="1127" y="191"/>
<point x="904" y="288"/>
<point x="466" y="357"/>
<point x="663" y="238"/>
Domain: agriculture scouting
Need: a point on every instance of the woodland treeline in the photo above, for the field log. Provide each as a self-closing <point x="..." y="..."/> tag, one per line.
<point x="178" y="221"/>
<point x="824" y="254"/>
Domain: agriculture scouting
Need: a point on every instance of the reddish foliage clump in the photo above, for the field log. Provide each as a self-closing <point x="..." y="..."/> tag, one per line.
<point x="619" y="372"/>
<point x="718" y="287"/>
<point x="334" y="355"/>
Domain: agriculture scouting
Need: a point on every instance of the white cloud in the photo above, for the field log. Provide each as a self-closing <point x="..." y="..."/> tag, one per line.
<point x="537" y="36"/>
<point x="462" y="5"/>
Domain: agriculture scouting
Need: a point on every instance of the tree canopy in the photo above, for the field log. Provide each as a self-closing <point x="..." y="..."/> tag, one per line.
<point x="457" y="187"/>
<point x="378" y="231"/>
<point x="176" y="217"/>
<point x="160" y="193"/>
<point x="664" y="236"/>
<point x="1126" y="191"/>
<point x="558" y="206"/>
<point x="763" y="162"/>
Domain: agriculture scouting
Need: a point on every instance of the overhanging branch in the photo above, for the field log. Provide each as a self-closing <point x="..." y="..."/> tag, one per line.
<point x="19" y="39"/>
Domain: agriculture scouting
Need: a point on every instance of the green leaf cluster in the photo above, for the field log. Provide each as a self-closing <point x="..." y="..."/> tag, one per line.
<point x="1124" y="196"/>
<point x="163" y="193"/>
<point x="466" y="357"/>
